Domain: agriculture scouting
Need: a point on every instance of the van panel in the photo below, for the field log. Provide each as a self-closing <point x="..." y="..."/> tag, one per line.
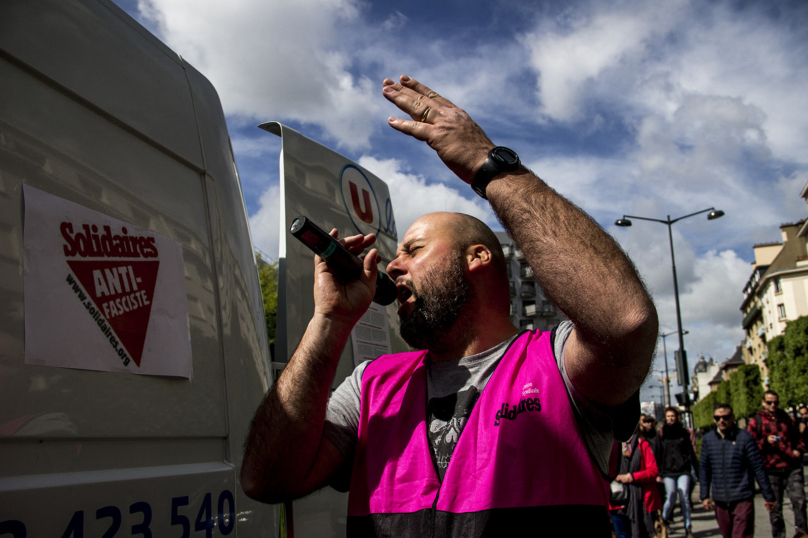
<point x="131" y="500"/>
<point x="72" y="42"/>
<point x="97" y="111"/>
<point x="79" y="156"/>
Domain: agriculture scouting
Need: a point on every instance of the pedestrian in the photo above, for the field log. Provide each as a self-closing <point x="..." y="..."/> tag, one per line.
<point x="730" y="459"/>
<point x="802" y="410"/>
<point x="779" y="441"/>
<point x="678" y="457"/>
<point x="648" y="430"/>
<point x="486" y="430"/>
<point x="637" y="516"/>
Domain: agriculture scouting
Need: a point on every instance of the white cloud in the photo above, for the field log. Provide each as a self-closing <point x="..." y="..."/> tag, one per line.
<point x="759" y="59"/>
<point x="710" y="287"/>
<point x="570" y="60"/>
<point x="265" y="223"/>
<point x="412" y="197"/>
<point x="275" y="60"/>
<point x="600" y="186"/>
<point x="639" y="57"/>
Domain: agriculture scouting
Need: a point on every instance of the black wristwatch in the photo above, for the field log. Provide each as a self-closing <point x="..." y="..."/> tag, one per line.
<point x="499" y="160"/>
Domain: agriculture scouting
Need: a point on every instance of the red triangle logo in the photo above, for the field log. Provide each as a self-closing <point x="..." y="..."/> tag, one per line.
<point x="123" y="292"/>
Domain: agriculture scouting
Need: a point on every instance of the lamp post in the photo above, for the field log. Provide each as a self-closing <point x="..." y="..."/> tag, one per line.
<point x="714" y="214"/>
<point x="663" y="392"/>
<point x="667" y="376"/>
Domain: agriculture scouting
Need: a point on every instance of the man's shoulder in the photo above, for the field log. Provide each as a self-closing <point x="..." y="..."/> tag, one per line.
<point x="754" y="424"/>
<point x="711" y="437"/>
<point x="784" y="417"/>
<point x="397" y="357"/>
<point x="394" y="361"/>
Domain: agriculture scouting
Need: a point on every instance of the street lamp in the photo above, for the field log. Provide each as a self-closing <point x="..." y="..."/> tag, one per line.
<point x="667" y="376"/>
<point x="714" y="214"/>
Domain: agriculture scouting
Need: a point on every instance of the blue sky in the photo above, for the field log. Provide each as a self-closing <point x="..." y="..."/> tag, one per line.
<point x="636" y="107"/>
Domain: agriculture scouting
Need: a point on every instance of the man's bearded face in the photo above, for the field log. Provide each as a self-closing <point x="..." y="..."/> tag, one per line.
<point x="439" y="299"/>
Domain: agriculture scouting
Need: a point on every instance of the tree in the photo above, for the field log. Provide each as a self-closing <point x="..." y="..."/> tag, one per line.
<point x="723" y="394"/>
<point x="703" y="411"/>
<point x="268" y="277"/>
<point x="746" y="390"/>
<point x="788" y="363"/>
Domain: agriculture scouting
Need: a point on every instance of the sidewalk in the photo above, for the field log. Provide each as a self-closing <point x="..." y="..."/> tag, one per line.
<point x="705" y="526"/>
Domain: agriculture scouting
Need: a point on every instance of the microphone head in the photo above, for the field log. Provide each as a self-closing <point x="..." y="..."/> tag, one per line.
<point x="386" y="291"/>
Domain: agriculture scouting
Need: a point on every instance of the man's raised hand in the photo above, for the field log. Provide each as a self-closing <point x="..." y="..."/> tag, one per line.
<point x="460" y="143"/>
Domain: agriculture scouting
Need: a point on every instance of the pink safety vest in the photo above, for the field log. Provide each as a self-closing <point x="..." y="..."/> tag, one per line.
<point x="519" y="467"/>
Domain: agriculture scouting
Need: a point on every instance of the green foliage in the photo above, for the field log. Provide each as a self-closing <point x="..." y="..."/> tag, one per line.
<point x="723" y="395"/>
<point x="788" y="363"/>
<point x="703" y="411"/>
<point x="746" y="390"/>
<point x="743" y="391"/>
<point x="268" y="276"/>
<point x="778" y="366"/>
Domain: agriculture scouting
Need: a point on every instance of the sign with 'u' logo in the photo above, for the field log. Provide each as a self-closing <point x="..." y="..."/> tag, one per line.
<point x="360" y="200"/>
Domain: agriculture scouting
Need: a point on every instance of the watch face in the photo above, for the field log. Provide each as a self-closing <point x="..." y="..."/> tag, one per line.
<point x="506" y="156"/>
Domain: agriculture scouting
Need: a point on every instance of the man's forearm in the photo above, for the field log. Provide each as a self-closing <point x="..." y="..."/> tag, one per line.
<point x="286" y="433"/>
<point x="584" y="271"/>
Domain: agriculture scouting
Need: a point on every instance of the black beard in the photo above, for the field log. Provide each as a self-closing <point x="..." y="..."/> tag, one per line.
<point x="437" y="307"/>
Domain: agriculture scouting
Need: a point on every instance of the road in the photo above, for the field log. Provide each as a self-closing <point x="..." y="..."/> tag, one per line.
<point x="705" y="526"/>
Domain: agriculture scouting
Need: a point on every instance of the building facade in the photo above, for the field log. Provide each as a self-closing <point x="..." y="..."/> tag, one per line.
<point x="776" y="292"/>
<point x="703" y="373"/>
<point x="754" y="346"/>
<point x="531" y="308"/>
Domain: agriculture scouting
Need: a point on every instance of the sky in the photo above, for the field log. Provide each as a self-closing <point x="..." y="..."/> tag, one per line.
<point x="647" y="108"/>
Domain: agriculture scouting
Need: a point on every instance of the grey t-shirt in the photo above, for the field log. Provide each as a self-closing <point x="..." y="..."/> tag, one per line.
<point x="453" y="388"/>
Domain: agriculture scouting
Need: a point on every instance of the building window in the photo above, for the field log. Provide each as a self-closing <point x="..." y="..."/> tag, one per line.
<point x="781" y="311"/>
<point x="777" y="287"/>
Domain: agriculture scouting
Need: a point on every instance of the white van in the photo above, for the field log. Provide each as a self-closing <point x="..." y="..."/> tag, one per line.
<point x="95" y="111"/>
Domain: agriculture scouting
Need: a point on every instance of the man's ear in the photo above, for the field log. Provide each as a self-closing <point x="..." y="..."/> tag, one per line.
<point x="478" y="257"/>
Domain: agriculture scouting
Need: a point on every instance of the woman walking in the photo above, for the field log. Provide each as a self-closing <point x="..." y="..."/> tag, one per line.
<point x="636" y="515"/>
<point x="678" y="457"/>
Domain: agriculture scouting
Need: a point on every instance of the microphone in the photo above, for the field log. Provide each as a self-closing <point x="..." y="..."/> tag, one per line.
<point x="346" y="265"/>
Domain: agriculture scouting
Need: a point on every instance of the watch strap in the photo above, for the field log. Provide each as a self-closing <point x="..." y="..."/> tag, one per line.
<point x="493" y="166"/>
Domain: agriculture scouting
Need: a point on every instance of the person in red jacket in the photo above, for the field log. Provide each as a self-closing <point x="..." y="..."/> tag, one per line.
<point x="638" y="472"/>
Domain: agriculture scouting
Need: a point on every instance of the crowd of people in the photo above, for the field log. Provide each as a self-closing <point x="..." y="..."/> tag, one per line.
<point x="662" y="463"/>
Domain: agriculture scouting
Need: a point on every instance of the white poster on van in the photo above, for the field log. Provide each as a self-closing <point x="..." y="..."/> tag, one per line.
<point x="101" y="293"/>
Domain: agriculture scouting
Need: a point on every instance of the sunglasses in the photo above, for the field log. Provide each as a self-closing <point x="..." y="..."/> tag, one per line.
<point x="648" y="421"/>
<point x="775" y="402"/>
<point x="718" y="418"/>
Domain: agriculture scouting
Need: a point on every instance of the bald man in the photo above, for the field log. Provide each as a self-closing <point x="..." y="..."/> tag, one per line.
<point x="484" y="430"/>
